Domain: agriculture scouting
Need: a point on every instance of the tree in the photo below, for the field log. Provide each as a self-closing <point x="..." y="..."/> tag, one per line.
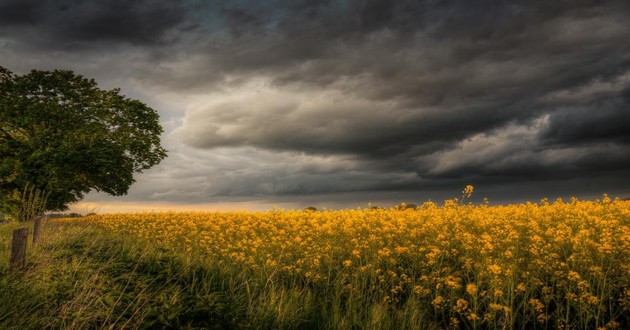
<point x="61" y="136"/>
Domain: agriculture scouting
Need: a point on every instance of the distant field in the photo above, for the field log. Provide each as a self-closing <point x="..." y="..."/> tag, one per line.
<point x="544" y="265"/>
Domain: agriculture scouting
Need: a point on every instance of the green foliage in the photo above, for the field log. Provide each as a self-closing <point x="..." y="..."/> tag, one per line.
<point x="82" y="277"/>
<point x="64" y="136"/>
<point x="66" y="215"/>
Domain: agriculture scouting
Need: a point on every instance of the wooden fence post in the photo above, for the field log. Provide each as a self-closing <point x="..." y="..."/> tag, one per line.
<point x="36" y="226"/>
<point x="18" y="248"/>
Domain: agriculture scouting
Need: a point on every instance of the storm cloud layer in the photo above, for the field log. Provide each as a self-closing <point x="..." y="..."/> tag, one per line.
<point x="284" y="98"/>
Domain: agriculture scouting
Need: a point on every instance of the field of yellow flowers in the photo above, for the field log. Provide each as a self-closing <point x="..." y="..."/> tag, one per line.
<point x="564" y="264"/>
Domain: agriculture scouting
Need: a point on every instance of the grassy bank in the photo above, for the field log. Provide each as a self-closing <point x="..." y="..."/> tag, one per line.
<point x="82" y="276"/>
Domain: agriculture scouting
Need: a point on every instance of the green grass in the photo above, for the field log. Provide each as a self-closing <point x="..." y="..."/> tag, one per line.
<point x="82" y="277"/>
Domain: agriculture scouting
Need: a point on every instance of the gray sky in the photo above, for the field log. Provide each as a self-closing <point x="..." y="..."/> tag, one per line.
<point x="340" y="103"/>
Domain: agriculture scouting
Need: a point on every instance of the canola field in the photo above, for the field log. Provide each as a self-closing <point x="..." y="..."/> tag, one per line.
<point x="564" y="264"/>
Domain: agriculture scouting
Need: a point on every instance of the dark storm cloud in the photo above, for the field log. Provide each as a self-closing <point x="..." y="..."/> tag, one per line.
<point x="607" y="121"/>
<point x="404" y="93"/>
<point x="419" y="81"/>
<point x="67" y="23"/>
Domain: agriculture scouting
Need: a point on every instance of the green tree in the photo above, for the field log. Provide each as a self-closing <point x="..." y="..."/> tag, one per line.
<point x="61" y="136"/>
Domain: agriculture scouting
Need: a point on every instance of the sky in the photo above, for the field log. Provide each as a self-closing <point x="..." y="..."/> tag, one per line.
<point x="341" y="103"/>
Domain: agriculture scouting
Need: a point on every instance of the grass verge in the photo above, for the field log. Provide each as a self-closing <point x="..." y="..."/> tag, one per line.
<point x="82" y="277"/>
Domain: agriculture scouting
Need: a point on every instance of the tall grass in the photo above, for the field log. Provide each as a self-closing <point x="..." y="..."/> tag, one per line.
<point x="83" y="276"/>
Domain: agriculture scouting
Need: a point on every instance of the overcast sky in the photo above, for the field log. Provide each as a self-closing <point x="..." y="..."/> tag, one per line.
<point x="339" y="103"/>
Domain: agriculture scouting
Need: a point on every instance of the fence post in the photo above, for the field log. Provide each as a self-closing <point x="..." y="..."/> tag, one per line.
<point x="36" y="226"/>
<point x="18" y="248"/>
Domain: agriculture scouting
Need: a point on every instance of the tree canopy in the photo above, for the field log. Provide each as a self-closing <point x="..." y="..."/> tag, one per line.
<point x="61" y="136"/>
